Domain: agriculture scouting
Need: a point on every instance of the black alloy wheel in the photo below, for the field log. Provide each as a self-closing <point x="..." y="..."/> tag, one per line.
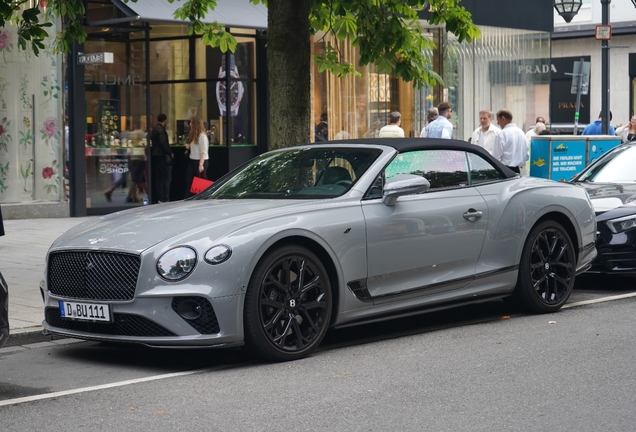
<point x="547" y="269"/>
<point x="287" y="305"/>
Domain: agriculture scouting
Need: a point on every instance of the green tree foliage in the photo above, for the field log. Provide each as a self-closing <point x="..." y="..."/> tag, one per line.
<point x="386" y="32"/>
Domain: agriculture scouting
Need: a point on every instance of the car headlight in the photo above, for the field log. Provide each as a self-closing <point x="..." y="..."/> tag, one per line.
<point x="177" y="263"/>
<point x="622" y="224"/>
<point x="218" y="254"/>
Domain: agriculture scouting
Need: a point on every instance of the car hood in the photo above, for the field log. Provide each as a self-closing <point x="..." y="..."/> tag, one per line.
<point x="141" y="228"/>
<point x="611" y="199"/>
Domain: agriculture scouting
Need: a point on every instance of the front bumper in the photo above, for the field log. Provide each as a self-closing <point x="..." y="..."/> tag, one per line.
<point x="616" y="252"/>
<point x="155" y="322"/>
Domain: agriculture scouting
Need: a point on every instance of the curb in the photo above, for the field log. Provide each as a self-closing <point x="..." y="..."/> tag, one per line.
<point x="29" y="336"/>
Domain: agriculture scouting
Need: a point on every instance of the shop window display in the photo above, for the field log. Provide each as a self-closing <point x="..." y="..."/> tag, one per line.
<point x="116" y="128"/>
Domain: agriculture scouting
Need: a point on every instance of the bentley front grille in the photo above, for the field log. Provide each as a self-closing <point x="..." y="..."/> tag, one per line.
<point x="93" y="275"/>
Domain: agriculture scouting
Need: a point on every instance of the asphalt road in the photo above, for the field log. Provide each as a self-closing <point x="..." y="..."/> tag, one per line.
<point x="476" y="368"/>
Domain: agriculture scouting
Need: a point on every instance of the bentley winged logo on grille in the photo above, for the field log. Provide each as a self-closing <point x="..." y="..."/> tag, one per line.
<point x="97" y="240"/>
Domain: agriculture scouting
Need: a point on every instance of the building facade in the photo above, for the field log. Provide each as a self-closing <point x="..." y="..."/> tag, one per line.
<point x="32" y="168"/>
<point x="138" y="62"/>
<point x="577" y="39"/>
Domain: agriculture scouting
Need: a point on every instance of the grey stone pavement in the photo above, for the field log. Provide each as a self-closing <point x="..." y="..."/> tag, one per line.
<point x="23" y="250"/>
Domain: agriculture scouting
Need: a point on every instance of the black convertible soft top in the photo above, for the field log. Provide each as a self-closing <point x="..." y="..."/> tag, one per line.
<point x="409" y="144"/>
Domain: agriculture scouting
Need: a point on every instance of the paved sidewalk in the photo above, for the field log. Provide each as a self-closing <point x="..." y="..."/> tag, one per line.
<point x="22" y="253"/>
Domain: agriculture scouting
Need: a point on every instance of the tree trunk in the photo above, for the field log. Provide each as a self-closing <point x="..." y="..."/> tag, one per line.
<point x="288" y="65"/>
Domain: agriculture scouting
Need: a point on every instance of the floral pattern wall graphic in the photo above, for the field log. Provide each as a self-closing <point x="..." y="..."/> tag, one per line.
<point x="3" y="87"/>
<point x="24" y="98"/>
<point x="52" y="177"/>
<point x="26" y="136"/>
<point x="51" y="89"/>
<point x="5" y="136"/>
<point x="4" y="172"/>
<point x="50" y="132"/>
<point x="5" y="43"/>
<point x="30" y="117"/>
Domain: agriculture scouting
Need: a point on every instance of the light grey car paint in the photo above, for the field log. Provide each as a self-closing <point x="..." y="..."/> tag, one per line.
<point x="440" y="234"/>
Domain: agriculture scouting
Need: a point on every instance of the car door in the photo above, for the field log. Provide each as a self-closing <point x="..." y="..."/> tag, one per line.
<point x="429" y="242"/>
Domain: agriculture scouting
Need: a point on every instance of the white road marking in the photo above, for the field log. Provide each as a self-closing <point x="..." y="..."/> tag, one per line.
<point x="599" y="300"/>
<point x="180" y="374"/>
<point x="105" y="386"/>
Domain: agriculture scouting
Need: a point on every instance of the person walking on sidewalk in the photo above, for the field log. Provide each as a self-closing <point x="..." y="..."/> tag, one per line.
<point x="441" y="127"/>
<point x="511" y="145"/>
<point x="596" y="127"/>
<point x="486" y="133"/>
<point x="198" y="145"/>
<point x="393" y="129"/>
<point x="431" y="115"/>
<point x="161" y="161"/>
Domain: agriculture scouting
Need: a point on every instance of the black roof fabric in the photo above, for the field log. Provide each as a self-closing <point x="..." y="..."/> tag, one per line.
<point x="410" y="144"/>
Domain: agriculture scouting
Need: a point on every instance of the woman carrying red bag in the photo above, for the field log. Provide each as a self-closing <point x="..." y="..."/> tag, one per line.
<point x="198" y="146"/>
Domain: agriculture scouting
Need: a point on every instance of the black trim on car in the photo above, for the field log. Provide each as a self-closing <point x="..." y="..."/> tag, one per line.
<point x="361" y="292"/>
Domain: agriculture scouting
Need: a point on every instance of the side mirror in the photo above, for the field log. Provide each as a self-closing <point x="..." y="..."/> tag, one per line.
<point x="403" y="184"/>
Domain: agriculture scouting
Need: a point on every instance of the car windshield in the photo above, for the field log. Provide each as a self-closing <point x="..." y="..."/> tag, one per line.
<point x="296" y="173"/>
<point x="616" y="166"/>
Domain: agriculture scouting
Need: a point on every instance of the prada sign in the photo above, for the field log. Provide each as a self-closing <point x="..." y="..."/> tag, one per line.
<point x="95" y="58"/>
<point x="521" y="72"/>
<point x="562" y="101"/>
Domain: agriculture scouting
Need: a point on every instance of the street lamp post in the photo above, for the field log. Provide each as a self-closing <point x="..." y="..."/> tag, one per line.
<point x="568" y="9"/>
<point x="605" y="95"/>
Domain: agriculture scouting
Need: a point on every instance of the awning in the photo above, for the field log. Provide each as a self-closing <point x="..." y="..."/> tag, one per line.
<point x="231" y="13"/>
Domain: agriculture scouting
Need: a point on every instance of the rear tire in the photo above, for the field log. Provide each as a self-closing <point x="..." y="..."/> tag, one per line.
<point x="287" y="304"/>
<point x="547" y="269"/>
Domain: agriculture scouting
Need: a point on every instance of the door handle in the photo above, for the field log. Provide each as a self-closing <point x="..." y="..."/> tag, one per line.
<point x="472" y="214"/>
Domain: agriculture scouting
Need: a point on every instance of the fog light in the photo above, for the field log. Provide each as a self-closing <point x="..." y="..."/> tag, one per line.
<point x="189" y="309"/>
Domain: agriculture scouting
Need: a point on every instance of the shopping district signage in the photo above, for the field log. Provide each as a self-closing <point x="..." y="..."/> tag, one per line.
<point x="520" y="72"/>
<point x="562" y="101"/>
<point x="95" y="58"/>
<point x="553" y="72"/>
<point x="111" y="79"/>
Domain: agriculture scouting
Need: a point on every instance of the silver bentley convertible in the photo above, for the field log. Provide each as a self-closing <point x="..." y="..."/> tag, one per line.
<point x="306" y="238"/>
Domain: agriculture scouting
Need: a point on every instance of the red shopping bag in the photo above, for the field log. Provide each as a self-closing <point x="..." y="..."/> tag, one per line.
<point x="199" y="184"/>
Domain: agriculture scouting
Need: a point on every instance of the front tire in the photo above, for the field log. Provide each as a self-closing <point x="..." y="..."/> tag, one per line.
<point x="287" y="304"/>
<point x="547" y="269"/>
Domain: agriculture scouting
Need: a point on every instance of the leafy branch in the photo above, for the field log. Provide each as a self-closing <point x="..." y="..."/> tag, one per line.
<point x="387" y="33"/>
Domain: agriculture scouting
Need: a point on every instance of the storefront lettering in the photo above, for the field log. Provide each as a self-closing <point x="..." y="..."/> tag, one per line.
<point x="111" y="79"/>
<point x="111" y="166"/>
<point x="536" y="69"/>
<point x="569" y="105"/>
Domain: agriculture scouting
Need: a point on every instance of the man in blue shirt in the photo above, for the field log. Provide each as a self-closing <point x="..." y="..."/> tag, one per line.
<point x="441" y="127"/>
<point x="596" y="128"/>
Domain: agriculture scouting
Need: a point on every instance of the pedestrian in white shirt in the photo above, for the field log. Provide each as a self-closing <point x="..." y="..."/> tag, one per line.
<point x="511" y="145"/>
<point x="441" y="127"/>
<point x="485" y="134"/>
<point x="393" y="129"/>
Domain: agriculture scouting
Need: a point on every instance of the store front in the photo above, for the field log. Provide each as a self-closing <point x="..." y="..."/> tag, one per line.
<point x="157" y="68"/>
<point x="132" y="68"/>
<point x="508" y="67"/>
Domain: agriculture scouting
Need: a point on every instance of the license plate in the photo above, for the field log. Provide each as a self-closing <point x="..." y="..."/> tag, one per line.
<point x="85" y="311"/>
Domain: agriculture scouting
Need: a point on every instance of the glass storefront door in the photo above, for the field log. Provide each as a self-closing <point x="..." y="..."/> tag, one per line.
<point x="117" y="126"/>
